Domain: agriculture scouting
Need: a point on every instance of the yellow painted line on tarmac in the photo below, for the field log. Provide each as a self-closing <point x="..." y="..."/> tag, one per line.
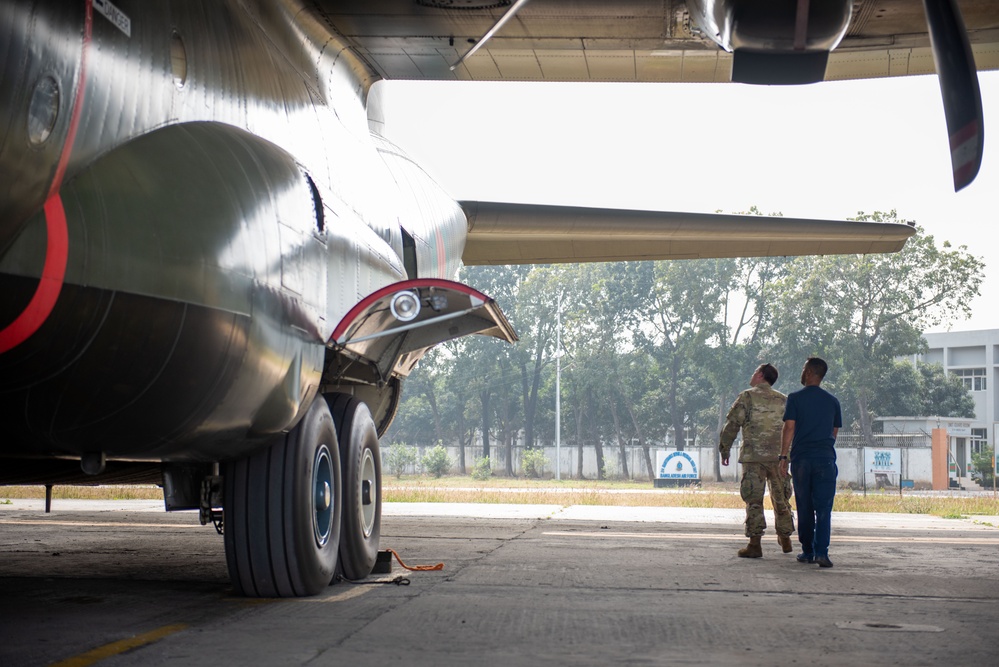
<point x="646" y="536"/>
<point x="740" y="538"/>
<point x="919" y="540"/>
<point x="96" y="524"/>
<point x="348" y="594"/>
<point x="355" y="592"/>
<point x="119" y="647"/>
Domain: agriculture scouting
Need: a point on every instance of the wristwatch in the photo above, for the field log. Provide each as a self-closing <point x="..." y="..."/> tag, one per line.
<point x="782" y="458"/>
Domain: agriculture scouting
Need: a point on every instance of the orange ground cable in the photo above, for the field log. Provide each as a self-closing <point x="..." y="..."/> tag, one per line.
<point x="416" y="568"/>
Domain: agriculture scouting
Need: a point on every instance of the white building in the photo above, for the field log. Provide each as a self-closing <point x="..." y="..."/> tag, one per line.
<point x="972" y="356"/>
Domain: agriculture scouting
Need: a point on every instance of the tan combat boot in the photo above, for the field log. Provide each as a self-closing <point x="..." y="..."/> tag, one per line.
<point x="785" y="543"/>
<point x="753" y="549"/>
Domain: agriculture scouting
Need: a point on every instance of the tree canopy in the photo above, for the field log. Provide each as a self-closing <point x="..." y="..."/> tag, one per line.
<point x="655" y="352"/>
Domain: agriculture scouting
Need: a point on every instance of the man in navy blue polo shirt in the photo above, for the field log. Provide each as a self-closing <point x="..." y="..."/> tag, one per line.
<point x="812" y="419"/>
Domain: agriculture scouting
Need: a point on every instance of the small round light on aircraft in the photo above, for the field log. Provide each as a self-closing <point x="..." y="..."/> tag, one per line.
<point x="43" y="110"/>
<point x="405" y="306"/>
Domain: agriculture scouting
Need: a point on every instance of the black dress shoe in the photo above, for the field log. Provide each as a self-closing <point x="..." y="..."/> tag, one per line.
<point x="804" y="558"/>
<point x="823" y="561"/>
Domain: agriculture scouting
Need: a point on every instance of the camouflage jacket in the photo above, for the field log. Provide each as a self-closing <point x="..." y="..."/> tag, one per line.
<point x="759" y="412"/>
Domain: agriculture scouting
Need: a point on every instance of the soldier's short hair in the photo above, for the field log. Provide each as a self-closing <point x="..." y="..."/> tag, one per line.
<point x="818" y="366"/>
<point x="769" y="372"/>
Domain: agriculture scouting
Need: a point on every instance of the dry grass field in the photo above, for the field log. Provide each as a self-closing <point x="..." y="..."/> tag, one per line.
<point x="464" y="489"/>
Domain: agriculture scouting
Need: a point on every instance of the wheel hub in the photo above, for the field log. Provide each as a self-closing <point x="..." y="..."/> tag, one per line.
<point x="323" y="497"/>
<point x="369" y="489"/>
<point x="322" y="487"/>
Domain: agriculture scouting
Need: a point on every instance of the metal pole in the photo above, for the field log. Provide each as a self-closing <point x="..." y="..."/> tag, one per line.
<point x="492" y="31"/>
<point x="900" y="450"/>
<point x="558" y="389"/>
<point x="863" y="454"/>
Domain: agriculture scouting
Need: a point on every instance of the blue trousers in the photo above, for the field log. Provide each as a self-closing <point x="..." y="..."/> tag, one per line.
<point x="814" y="491"/>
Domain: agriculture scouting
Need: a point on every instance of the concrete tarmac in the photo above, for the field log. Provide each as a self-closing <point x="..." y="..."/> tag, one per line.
<point x="123" y="583"/>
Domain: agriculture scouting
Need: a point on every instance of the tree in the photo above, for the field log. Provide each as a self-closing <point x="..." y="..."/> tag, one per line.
<point x="413" y="422"/>
<point x="943" y="395"/>
<point x="436" y="461"/>
<point x="429" y="383"/>
<point x="680" y="312"/>
<point x="657" y="351"/>
<point x="860" y="312"/>
<point x="904" y="390"/>
<point x="538" y="301"/>
<point x="399" y="457"/>
<point x="983" y="464"/>
<point x="900" y="392"/>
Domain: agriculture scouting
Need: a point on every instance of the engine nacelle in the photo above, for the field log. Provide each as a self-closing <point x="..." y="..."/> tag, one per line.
<point x="774" y="41"/>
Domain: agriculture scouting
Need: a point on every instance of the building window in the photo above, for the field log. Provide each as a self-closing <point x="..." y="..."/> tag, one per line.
<point x="973" y="378"/>
<point x="979" y="439"/>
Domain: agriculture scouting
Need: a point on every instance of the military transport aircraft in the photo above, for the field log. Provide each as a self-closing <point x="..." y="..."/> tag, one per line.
<point x="215" y="272"/>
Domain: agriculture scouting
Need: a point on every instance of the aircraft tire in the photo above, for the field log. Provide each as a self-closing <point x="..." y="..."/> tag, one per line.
<point x="362" y="485"/>
<point x="283" y="512"/>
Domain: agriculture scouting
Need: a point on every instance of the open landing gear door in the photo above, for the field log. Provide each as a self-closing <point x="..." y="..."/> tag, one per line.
<point x="394" y="326"/>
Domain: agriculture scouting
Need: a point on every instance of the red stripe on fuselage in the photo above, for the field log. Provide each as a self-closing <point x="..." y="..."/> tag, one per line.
<point x="57" y="236"/>
<point x="74" y="119"/>
<point x="50" y="284"/>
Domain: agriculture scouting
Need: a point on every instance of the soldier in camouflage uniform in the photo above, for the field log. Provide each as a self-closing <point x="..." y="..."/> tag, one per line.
<point x="759" y="413"/>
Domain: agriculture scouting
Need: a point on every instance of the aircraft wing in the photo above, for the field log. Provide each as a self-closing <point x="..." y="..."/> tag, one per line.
<point x="501" y="233"/>
<point x="620" y="40"/>
<point x="747" y="41"/>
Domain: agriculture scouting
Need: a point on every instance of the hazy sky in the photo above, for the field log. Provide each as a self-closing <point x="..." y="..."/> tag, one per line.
<point x="826" y="150"/>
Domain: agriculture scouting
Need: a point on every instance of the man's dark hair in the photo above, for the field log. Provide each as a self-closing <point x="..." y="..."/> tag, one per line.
<point x="769" y="372"/>
<point x="818" y="366"/>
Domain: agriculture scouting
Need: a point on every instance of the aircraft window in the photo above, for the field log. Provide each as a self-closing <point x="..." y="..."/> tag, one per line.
<point x="409" y="254"/>
<point x="43" y="110"/>
<point x="317" y="204"/>
<point x="178" y="60"/>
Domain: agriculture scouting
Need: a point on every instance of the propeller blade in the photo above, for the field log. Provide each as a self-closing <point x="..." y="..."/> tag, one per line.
<point x="959" y="87"/>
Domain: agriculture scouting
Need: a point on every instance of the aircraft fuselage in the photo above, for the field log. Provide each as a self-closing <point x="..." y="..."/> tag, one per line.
<point x="190" y="201"/>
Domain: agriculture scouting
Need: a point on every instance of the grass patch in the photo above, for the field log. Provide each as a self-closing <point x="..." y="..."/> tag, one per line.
<point x="946" y="507"/>
<point x="496" y="482"/>
<point x="143" y="492"/>
<point x="561" y="497"/>
<point x="496" y="490"/>
<point x="640" y="494"/>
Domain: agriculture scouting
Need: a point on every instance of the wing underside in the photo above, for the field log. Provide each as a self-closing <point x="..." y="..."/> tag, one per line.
<point x="624" y="41"/>
<point x="501" y="233"/>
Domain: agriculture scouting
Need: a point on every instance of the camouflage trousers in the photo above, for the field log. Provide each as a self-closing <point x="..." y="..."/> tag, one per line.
<point x="754" y="483"/>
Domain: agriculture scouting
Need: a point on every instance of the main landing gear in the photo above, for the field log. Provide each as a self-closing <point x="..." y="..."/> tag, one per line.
<point x="362" y="485"/>
<point x="307" y="506"/>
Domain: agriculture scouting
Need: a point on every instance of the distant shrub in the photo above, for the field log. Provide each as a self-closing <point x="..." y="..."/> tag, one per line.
<point x="982" y="463"/>
<point x="482" y="471"/>
<point x="399" y="457"/>
<point x="436" y="462"/>
<point x="534" y="462"/>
